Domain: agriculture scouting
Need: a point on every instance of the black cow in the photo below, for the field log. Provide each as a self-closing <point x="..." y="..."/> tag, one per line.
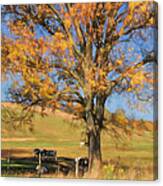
<point x="36" y="152"/>
<point x="45" y="153"/>
<point x="83" y="166"/>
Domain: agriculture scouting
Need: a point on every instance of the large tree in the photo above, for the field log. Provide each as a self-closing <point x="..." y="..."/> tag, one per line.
<point x="73" y="57"/>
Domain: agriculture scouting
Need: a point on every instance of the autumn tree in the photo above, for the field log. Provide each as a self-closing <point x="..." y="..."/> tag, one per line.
<point x="73" y="57"/>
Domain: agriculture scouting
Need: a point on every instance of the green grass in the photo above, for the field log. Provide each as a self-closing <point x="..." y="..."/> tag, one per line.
<point x="18" y="165"/>
<point x="55" y="132"/>
<point x="51" y="131"/>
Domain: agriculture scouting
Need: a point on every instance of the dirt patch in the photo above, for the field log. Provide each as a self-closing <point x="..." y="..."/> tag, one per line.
<point x="17" y="139"/>
<point x="15" y="152"/>
<point x="64" y="115"/>
<point x="47" y="111"/>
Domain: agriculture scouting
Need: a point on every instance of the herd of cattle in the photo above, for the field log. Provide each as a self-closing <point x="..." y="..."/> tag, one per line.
<point x="46" y="162"/>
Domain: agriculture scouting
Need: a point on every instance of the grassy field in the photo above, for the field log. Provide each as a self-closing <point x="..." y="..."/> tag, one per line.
<point x="59" y="132"/>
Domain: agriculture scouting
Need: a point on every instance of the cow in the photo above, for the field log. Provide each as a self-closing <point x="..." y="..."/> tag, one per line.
<point x="45" y="153"/>
<point x="81" y="166"/>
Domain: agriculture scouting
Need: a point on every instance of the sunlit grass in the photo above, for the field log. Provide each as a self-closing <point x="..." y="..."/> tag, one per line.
<point x="57" y="133"/>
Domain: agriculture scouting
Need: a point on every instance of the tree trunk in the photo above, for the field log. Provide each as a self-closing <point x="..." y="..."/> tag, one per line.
<point x="94" y="119"/>
<point x="94" y="150"/>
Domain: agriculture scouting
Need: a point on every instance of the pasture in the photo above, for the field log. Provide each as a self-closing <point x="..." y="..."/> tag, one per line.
<point x="135" y="158"/>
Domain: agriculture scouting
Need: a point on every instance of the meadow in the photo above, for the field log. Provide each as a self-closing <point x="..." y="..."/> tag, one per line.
<point x="132" y="160"/>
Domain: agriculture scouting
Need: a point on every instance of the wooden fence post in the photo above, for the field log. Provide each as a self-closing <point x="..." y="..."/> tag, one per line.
<point x="77" y="166"/>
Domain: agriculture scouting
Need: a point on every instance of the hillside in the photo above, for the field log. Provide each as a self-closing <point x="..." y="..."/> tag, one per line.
<point x="58" y="131"/>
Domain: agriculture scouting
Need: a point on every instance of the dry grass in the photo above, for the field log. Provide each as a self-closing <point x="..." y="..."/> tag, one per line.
<point x="57" y="132"/>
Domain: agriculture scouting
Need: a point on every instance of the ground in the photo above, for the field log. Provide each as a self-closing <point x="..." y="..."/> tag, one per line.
<point x="59" y="132"/>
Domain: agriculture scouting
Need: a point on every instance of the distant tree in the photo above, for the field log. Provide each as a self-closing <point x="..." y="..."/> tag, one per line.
<point x="119" y="117"/>
<point x="73" y="57"/>
<point x="118" y="127"/>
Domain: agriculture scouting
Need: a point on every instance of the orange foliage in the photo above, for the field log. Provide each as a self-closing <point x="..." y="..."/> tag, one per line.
<point x="67" y="49"/>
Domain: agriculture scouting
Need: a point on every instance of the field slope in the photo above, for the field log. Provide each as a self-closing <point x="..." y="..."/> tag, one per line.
<point x="58" y="131"/>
